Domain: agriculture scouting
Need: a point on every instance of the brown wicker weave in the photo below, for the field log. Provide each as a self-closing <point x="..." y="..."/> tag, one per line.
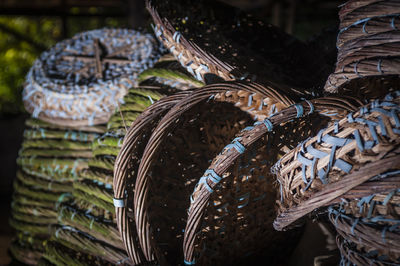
<point x="124" y="159"/>
<point x="133" y="144"/>
<point x="253" y="185"/>
<point x="212" y="40"/>
<point x="368" y="43"/>
<point x="341" y="157"/>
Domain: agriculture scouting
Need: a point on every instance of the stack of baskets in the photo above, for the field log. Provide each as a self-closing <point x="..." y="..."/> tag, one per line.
<point x="87" y="222"/>
<point x="162" y="158"/>
<point x="352" y="167"/>
<point x="72" y="88"/>
<point x="350" y="170"/>
<point x="187" y="179"/>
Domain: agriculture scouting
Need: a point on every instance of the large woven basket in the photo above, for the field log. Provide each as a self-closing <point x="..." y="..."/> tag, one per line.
<point x="232" y="205"/>
<point x="216" y="41"/>
<point x="333" y="164"/>
<point x="368" y="42"/>
<point x="150" y="227"/>
<point x="81" y="80"/>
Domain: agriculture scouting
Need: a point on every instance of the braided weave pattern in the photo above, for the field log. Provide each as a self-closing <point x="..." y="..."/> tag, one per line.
<point x="346" y="148"/>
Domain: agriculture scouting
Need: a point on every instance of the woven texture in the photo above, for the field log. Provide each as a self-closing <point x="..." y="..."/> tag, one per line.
<point x="50" y="159"/>
<point x="368" y="44"/>
<point x="328" y="166"/>
<point x="213" y="40"/>
<point x="237" y="185"/>
<point x="88" y="221"/>
<point x="81" y="80"/>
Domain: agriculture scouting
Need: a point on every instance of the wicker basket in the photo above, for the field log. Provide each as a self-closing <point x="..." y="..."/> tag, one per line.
<point x="368" y="224"/>
<point x="213" y="41"/>
<point x="141" y="189"/>
<point x="368" y="44"/>
<point x="81" y="80"/>
<point x="236" y="189"/>
<point x="331" y="165"/>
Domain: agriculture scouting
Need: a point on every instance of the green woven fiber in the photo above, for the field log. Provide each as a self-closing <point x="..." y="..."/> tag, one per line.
<point x="33" y="210"/>
<point x="97" y="174"/>
<point x="106" y="150"/>
<point x="103" y="162"/>
<point x="52" y="152"/>
<point x="34" y="219"/>
<point x="92" y="209"/>
<point x="24" y="253"/>
<point x="39" y="194"/>
<point x="108" y="140"/>
<point x="56" y="144"/>
<point x="77" y="240"/>
<point x="96" y="189"/>
<point x="58" y="254"/>
<point x="37" y="124"/>
<point x="116" y="122"/>
<point x="41" y="183"/>
<point x="169" y="74"/>
<point x="34" y="229"/>
<point x="41" y="133"/>
<point x="82" y="195"/>
<point x="52" y="167"/>
<point x="154" y="94"/>
<point x="23" y="199"/>
<point x="98" y="227"/>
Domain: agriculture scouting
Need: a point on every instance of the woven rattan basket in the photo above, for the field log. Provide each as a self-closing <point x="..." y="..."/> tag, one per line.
<point x="368" y="44"/>
<point x="329" y="166"/>
<point x="213" y="40"/>
<point x="368" y="224"/>
<point x="232" y="206"/>
<point x="81" y="80"/>
<point x="156" y="234"/>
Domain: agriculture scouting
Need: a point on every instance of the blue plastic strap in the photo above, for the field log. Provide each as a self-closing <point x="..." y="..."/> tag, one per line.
<point x="203" y="180"/>
<point x="335" y="140"/>
<point x="379" y="66"/>
<point x="299" y="109"/>
<point x="193" y="262"/>
<point x="119" y="203"/>
<point x="358" y="140"/>
<point x="382" y="126"/>
<point x="267" y="123"/>
<point x="213" y="176"/>
<point x="236" y="145"/>
<point x="354" y="225"/>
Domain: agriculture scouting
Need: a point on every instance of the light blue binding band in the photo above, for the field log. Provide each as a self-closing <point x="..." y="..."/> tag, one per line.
<point x="236" y="145"/>
<point x="299" y="109"/>
<point x="119" y="203"/>
<point x="193" y="262"/>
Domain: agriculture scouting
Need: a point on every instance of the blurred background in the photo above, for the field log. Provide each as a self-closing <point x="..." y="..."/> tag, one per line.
<point x="29" y="27"/>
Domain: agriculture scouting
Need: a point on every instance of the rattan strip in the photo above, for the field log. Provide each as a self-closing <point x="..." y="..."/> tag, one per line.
<point x="195" y="60"/>
<point x="338" y="159"/>
<point x="122" y="169"/>
<point x="202" y="193"/>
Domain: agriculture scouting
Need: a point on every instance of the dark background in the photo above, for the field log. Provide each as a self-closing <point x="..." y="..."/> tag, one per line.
<point x="28" y="27"/>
